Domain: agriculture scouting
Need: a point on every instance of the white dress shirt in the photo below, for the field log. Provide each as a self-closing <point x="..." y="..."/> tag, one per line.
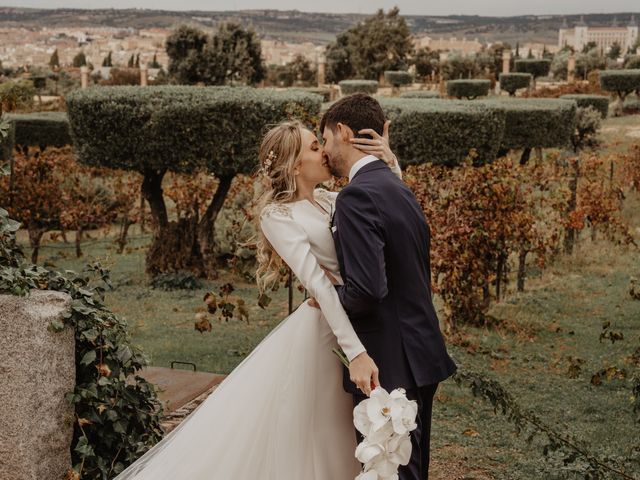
<point x="361" y="163"/>
<point x="368" y="159"/>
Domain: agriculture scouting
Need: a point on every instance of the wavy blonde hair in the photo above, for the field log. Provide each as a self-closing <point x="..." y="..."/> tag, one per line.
<point x="279" y="154"/>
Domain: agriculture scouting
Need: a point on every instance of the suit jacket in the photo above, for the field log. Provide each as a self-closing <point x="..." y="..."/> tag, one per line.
<point x="382" y="240"/>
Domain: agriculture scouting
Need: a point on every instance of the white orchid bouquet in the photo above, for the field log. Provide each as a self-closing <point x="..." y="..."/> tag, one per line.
<point x="385" y="420"/>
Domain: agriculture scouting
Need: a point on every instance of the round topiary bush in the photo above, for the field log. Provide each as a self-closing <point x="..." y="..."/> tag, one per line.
<point x="469" y="89"/>
<point x="443" y="132"/>
<point x="598" y="102"/>
<point x="347" y="87"/>
<point x="511" y="82"/>
<point x="428" y="94"/>
<point x="536" y="67"/>
<point x="397" y="78"/>
<point x="41" y="129"/>
<point x="153" y="130"/>
<point x="622" y="83"/>
<point x="536" y="123"/>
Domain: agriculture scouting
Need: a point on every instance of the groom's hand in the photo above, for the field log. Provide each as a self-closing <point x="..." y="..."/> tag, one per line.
<point x="364" y="373"/>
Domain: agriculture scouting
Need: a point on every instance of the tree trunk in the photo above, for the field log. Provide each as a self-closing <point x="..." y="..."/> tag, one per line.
<point x="526" y="153"/>
<point x="124" y="230"/>
<point x="570" y="236"/>
<point x="35" y="235"/>
<point x="152" y="192"/>
<point x="78" y="243"/>
<point x="206" y="227"/>
<point x="499" y="278"/>
<point x="142" y="216"/>
<point x="522" y="269"/>
<point x="175" y="248"/>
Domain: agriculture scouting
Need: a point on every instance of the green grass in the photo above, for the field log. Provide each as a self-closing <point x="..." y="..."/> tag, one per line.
<point x="560" y="315"/>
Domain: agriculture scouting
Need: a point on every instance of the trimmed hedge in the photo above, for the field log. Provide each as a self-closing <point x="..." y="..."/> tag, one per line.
<point x="468" y="88"/>
<point x="41" y="129"/>
<point x="347" y="87"/>
<point x="324" y="92"/>
<point x="7" y="144"/>
<point x="598" y="102"/>
<point x="511" y="82"/>
<point x="443" y="132"/>
<point x="622" y="82"/>
<point x="536" y="67"/>
<point x="398" y="78"/>
<point x="430" y="94"/>
<point x="179" y="128"/>
<point x="533" y="123"/>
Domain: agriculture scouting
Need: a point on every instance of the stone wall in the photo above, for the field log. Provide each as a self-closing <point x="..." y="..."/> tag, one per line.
<point x="37" y="369"/>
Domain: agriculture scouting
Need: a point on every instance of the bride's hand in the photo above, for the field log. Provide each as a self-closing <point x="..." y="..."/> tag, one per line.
<point x="377" y="146"/>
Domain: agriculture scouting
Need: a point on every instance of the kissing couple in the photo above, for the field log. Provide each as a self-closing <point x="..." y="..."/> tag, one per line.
<point x="286" y="412"/>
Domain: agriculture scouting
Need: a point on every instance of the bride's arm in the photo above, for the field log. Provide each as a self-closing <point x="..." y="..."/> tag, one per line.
<point x="291" y="242"/>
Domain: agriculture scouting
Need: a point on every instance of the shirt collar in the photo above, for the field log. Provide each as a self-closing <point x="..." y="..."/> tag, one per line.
<point x="359" y="164"/>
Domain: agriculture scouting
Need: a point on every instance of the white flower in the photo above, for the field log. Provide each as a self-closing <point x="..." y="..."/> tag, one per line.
<point x="399" y="448"/>
<point x="374" y="413"/>
<point x="403" y="412"/>
<point x="366" y="452"/>
<point x="385" y="420"/>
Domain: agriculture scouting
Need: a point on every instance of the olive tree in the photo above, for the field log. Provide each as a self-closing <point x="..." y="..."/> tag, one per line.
<point x="155" y="130"/>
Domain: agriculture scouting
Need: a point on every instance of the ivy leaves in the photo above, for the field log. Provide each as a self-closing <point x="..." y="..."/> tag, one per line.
<point x="117" y="411"/>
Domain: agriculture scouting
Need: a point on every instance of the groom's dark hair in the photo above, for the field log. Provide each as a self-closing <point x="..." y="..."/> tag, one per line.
<point x="357" y="111"/>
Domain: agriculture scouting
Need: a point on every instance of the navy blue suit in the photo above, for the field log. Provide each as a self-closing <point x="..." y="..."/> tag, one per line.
<point x="382" y="241"/>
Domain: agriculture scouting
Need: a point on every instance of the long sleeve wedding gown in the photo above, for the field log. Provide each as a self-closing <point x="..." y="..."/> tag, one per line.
<point x="282" y="414"/>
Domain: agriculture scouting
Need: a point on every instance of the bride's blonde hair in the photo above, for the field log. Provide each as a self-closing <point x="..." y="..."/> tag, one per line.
<point x="279" y="154"/>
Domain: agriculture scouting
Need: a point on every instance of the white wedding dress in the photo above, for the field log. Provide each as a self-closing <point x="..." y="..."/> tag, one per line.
<point x="282" y="413"/>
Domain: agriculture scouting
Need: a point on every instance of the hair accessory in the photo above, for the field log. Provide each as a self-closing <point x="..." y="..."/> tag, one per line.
<point x="268" y="161"/>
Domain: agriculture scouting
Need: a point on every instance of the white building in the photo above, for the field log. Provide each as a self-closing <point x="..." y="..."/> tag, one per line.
<point x="580" y="35"/>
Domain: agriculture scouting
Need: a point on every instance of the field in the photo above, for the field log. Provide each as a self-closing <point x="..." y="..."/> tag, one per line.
<point x="537" y="339"/>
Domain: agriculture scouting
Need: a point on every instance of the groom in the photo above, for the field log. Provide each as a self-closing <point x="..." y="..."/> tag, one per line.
<point x="382" y="242"/>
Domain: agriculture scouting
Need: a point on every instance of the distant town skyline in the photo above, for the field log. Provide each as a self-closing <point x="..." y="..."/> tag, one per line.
<point x="408" y="7"/>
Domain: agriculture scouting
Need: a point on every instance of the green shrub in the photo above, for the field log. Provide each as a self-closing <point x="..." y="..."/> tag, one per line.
<point x="536" y="67"/>
<point x="347" y="87"/>
<point x="532" y="123"/>
<point x="7" y="139"/>
<point x="429" y="94"/>
<point x="176" y="281"/>
<point x="324" y="92"/>
<point x="443" y="132"/>
<point x="511" y="82"/>
<point x="598" y="102"/>
<point x="622" y="82"/>
<point x="632" y="63"/>
<point x="39" y="82"/>
<point x="42" y="129"/>
<point x="397" y="78"/>
<point x="469" y="89"/>
<point x="179" y="128"/>
<point x="16" y="95"/>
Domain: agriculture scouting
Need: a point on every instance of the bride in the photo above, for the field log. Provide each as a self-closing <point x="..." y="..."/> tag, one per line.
<point x="282" y="414"/>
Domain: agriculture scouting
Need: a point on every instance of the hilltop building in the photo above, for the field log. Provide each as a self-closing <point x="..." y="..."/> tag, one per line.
<point x="582" y="34"/>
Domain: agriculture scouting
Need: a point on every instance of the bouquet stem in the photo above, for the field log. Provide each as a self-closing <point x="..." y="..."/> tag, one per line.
<point x="341" y="356"/>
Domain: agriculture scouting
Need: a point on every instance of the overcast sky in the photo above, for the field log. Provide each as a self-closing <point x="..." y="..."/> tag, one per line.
<point x="417" y="7"/>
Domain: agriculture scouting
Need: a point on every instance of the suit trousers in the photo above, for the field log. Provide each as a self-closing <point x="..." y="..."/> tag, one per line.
<point x="418" y="467"/>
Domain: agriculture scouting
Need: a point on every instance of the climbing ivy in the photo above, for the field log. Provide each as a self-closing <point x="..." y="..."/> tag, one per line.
<point x="117" y="413"/>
